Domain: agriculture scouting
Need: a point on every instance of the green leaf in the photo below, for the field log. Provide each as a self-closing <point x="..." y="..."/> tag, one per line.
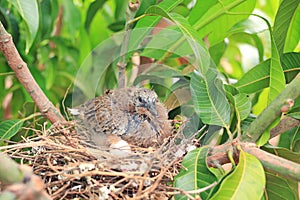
<point x="207" y="90"/>
<point x="220" y="17"/>
<point x="295" y="115"/>
<point x="9" y="128"/>
<point x="71" y="18"/>
<point x="169" y="5"/>
<point x="242" y="106"/>
<point x="288" y="139"/>
<point x="120" y="11"/>
<point x="209" y="99"/>
<point x="92" y="11"/>
<point x="293" y="35"/>
<point x="247" y="181"/>
<point x="279" y="188"/>
<point x="195" y="174"/>
<point x="30" y="13"/>
<point x="258" y="77"/>
<point x="200" y="8"/>
<point x="150" y="21"/>
<point x="157" y="71"/>
<point x="277" y="79"/>
<point x="282" y="22"/>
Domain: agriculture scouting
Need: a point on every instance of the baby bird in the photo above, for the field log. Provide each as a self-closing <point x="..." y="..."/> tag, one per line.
<point x="131" y="114"/>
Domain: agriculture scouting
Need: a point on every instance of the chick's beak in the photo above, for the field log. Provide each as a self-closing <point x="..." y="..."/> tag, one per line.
<point x="152" y="109"/>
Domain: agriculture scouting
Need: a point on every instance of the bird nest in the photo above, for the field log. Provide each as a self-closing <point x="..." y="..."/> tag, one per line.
<point x="72" y="171"/>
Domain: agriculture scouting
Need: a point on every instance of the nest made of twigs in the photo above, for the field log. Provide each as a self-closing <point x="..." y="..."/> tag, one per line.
<point x="70" y="170"/>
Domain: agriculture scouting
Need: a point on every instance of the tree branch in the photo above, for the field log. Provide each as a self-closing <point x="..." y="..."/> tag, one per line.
<point x="23" y="74"/>
<point x="285" y="124"/>
<point x="274" y="163"/>
<point x="130" y="12"/>
<point x="274" y="110"/>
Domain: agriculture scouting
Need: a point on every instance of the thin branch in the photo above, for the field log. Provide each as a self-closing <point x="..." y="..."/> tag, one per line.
<point x="274" y="163"/>
<point x="274" y="110"/>
<point x="23" y="74"/>
<point x="284" y="125"/>
<point x="271" y="162"/>
<point x="131" y="10"/>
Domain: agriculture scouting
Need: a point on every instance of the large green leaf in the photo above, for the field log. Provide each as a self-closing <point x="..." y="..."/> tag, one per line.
<point x="247" y="181"/>
<point x="157" y="72"/>
<point x="9" y="128"/>
<point x="209" y="99"/>
<point x="30" y="13"/>
<point x="207" y="90"/>
<point x="220" y="17"/>
<point x="195" y="174"/>
<point x="242" y="106"/>
<point x="200" y="8"/>
<point x="71" y="17"/>
<point x="293" y="35"/>
<point x="282" y="22"/>
<point x="280" y="188"/>
<point x="277" y="79"/>
<point x="149" y="22"/>
<point x="92" y="11"/>
<point x="258" y="77"/>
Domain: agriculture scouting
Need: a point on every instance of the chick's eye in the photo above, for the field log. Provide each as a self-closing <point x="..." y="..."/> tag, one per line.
<point x="140" y="99"/>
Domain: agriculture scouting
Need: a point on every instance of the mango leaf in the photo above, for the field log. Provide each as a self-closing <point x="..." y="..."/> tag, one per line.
<point x="242" y="106"/>
<point x="247" y="181"/>
<point x="120" y="11"/>
<point x="209" y="99"/>
<point x="288" y="139"/>
<point x="150" y="21"/>
<point x="92" y="11"/>
<point x="282" y="22"/>
<point x="219" y="17"/>
<point x="200" y="8"/>
<point x="280" y="188"/>
<point x="30" y="14"/>
<point x="157" y="71"/>
<point x="207" y="91"/>
<point x="295" y="115"/>
<point x="71" y="18"/>
<point x="277" y="79"/>
<point x="190" y="35"/>
<point x="293" y="35"/>
<point x="195" y="174"/>
<point x="258" y="77"/>
<point x="9" y="128"/>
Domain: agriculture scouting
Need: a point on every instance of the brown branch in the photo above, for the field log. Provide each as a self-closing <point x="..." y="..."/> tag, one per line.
<point x="285" y="124"/>
<point x="274" y="163"/>
<point x="218" y="156"/>
<point x="23" y="74"/>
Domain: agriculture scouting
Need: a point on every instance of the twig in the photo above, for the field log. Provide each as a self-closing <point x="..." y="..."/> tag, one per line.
<point x="266" y="118"/>
<point x="23" y="74"/>
<point x="284" y="125"/>
<point x="131" y="10"/>
<point x="274" y="163"/>
<point x="179" y="191"/>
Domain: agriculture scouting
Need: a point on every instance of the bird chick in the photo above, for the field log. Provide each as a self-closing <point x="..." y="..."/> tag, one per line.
<point x="133" y="114"/>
